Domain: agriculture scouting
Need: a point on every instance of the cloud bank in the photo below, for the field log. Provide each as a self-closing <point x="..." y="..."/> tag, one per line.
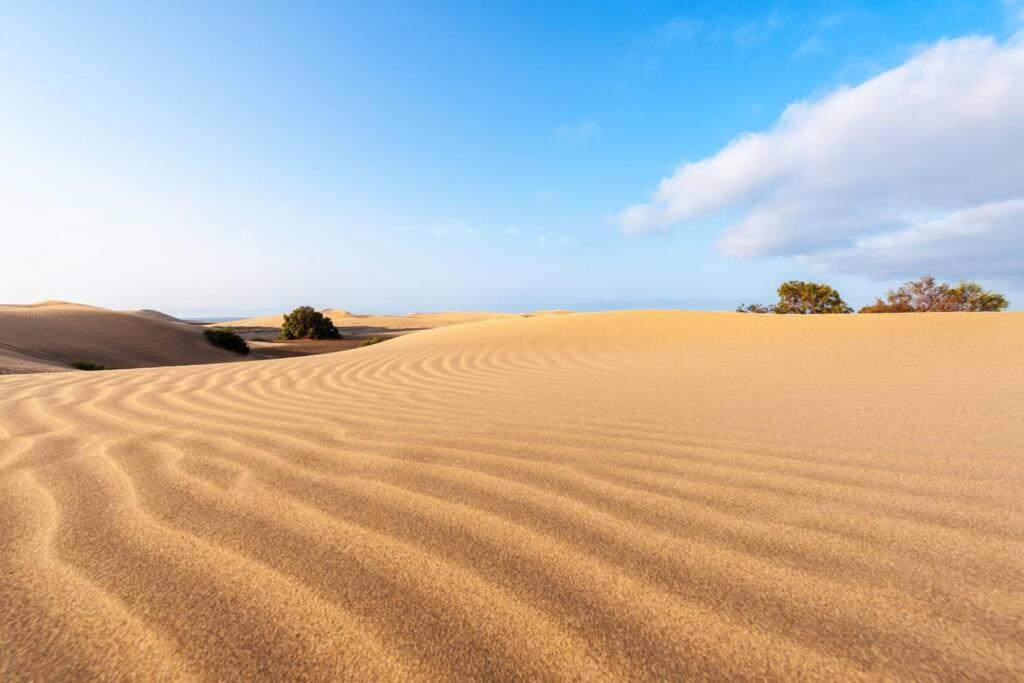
<point x="919" y="169"/>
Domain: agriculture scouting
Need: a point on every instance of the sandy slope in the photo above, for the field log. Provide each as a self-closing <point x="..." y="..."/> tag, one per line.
<point x="47" y="336"/>
<point x="621" y="495"/>
<point x="414" y="321"/>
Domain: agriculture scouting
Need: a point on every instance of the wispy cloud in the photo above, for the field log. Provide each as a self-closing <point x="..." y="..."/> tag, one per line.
<point x="677" y="29"/>
<point x="545" y="195"/>
<point x="758" y="31"/>
<point x="1015" y="13"/>
<point x="651" y="48"/>
<point x="456" y="229"/>
<point x="552" y="240"/>
<point x="578" y="131"/>
<point x="830" y="21"/>
<point x="812" y="46"/>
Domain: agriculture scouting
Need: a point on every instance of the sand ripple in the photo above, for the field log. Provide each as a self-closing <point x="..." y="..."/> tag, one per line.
<point x="600" y="496"/>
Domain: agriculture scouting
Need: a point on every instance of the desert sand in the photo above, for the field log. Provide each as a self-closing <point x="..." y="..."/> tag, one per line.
<point x="362" y="325"/>
<point x="48" y="336"/>
<point x="624" y="495"/>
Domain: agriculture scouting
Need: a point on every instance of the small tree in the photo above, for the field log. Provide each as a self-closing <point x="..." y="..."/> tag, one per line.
<point x="926" y="294"/>
<point x="970" y="296"/>
<point x="306" y="323"/>
<point x="802" y="298"/>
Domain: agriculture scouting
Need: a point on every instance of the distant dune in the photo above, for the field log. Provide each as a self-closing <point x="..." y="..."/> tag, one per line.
<point x="157" y="315"/>
<point x="419" y="321"/>
<point x="628" y="495"/>
<point x="47" y="336"/>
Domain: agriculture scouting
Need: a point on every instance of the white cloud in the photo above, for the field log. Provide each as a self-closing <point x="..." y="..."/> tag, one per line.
<point x="582" y="130"/>
<point x="982" y="239"/>
<point x="909" y="159"/>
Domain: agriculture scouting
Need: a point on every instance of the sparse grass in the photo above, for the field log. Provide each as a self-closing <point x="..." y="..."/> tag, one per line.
<point x="225" y="338"/>
<point x="87" y="365"/>
<point x="372" y="340"/>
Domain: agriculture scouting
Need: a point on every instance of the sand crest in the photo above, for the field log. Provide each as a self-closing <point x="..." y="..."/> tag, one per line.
<point x="47" y="336"/>
<point x="626" y="495"/>
<point x="348" y="321"/>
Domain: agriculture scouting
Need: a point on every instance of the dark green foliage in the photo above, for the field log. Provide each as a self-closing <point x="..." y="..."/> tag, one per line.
<point x="802" y="298"/>
<point x="371" y="340"/>
<point x="927" y="295"/>
<point x="87" y="365"/>
<point x="225" y="338"/>
<point x="306" y="323"/>
<point x="754" y="308"/>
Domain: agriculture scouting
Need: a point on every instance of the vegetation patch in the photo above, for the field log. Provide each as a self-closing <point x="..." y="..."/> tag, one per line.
<point x="926" y="295"/>
<point x="225" y="338"/>
<point x="802" y="298"/>
<point x="87" y="365"/>
<point x="919" y="296"/>
<point x="371" y="341"/>
<point x="307" y="323"/>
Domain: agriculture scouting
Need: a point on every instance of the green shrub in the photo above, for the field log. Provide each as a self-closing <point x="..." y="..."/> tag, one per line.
<point x="371" y="340"/>
<point x="754" y="308"/>
<point x="87" y="365"/>
<point x="225" y="338"/>
<point x="802" y="298"/>
<point x="306" y="323"/>
<point x="927" y="295"/>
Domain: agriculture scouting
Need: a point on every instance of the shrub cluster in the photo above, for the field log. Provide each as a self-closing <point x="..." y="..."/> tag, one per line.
<point x="927" y="295"/>
<point x="803" y="298"/>
<point x="371" y="340"/>
<point x="225" y="338"/>
<point x="87" y="365"/>
<point x="306" y="323"/>
<point x="918" y="296"/>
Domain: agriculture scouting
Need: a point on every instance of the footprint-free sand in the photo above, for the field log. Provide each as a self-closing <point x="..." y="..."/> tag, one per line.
<point x="661" y="495"/>
<point x="48" y="336"/>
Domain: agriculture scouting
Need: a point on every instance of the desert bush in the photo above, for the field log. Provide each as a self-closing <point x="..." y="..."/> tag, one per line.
<point x="754" y="308"/>
<point x="925" y="294"/>
<point x="306" y="323"/>
<point x="225" y="338"/>
<point x="87" y="365"/>
<point x="800" y="297"/>
<point x="371" y="341"/>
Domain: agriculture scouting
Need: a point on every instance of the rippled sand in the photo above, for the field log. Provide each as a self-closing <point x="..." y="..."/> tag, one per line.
<point x="589" y="496"/>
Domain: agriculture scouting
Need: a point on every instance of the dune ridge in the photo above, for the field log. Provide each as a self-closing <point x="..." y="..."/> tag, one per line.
<point x="597" y="496"/>
<point x="418" y="321"/>
<point x="48" y="336"/>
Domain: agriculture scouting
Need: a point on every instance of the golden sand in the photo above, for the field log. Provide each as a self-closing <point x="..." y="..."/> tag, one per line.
<point x="347" y="321"/>
<point x="47" y="336"/>
<point x="623" y="495"/>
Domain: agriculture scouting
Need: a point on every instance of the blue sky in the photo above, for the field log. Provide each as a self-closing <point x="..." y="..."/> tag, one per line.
<point x="246" y="158"/>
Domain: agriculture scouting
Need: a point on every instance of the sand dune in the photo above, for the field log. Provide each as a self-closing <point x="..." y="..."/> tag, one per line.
<point x="347" y="320"/>
<point x="47" y="336"/>
<point x="158" y="315"/>
<point x="624" y="495"/>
